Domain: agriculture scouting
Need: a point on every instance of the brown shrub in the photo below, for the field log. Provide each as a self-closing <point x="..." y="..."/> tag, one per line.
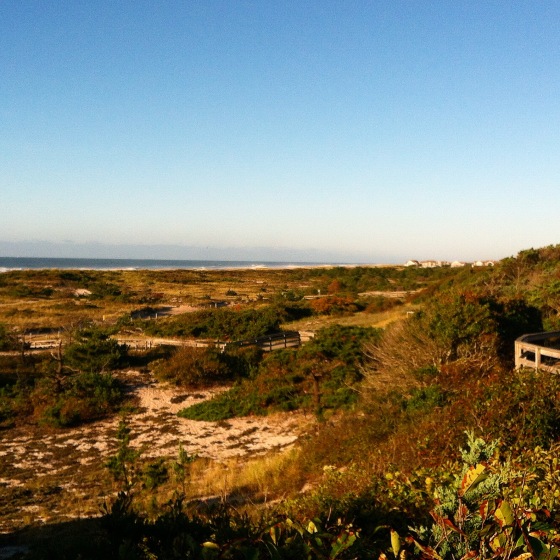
<point x="194" y="367"/>
<point x="333" y="305"/>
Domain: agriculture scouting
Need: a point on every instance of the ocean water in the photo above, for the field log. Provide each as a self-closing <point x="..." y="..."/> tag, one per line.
<point x="26" y="263"/>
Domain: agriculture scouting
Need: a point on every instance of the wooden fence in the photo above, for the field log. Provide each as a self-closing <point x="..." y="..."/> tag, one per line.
<point x="291" y="339"/>
<point x="540" y="351"/>
<point x="288" y="339"/>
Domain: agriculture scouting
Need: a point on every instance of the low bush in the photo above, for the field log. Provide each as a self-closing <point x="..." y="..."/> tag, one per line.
<point x="194" y="367"/>
<point x="84" y="397"/>
<point x="37" y="391"/>
<point x="381" y="303"/>
<point x="207" y="366"/>
<point x="230" y="404"/>
<point x="334" y="305"/>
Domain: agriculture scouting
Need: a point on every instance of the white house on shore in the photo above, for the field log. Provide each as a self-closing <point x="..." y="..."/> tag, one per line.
<point x="426" y="264"/>
<point x="454" y="264"/>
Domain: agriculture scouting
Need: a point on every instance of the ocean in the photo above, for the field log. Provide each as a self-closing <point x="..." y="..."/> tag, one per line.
<point x="27" y="263"/>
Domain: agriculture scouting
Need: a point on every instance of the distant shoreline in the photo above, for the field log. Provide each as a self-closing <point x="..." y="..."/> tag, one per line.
<point x="53" y="263"/>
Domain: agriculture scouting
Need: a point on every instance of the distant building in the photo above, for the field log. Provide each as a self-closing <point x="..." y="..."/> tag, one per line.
<point x="437" y="264"/>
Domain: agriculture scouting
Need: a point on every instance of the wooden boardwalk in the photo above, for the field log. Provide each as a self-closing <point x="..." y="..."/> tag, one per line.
<point x="287" y="339"/>
<point x="539" y="351"/>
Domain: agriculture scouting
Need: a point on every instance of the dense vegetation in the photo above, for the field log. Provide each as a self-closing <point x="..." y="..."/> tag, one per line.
<point x="219" y="324"/>
<point x="428" y="443"/>
<point x="65" y="388"/>
<point x="323" y="374"/>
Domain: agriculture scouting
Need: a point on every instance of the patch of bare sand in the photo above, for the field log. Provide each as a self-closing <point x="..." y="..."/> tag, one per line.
<point x="157" y="429"/>
<point x="67" y="463"/>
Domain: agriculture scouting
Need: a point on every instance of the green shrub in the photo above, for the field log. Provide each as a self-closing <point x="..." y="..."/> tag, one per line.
<point x="94" y="351"/>
<point x="342" y="343"/>
<point x="195" y="367"/>
<point x="220" y="324"/>
<point x="380" y="303"/>
<point x="426" y="398"/>
<point x="85" y="397"/>
<point x="230" y="404"/>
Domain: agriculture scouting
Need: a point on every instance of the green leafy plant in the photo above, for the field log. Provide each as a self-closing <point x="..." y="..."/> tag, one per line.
<point x="485" y="513"/>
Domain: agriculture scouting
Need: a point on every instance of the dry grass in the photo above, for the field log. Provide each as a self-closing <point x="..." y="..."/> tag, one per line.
<point x="259" y="478"/>
<point x="144" y="287"/>
<point x="362" y="319"/>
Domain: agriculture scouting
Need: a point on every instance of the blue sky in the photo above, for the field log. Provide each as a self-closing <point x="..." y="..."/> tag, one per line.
<point x="336" y="130"/>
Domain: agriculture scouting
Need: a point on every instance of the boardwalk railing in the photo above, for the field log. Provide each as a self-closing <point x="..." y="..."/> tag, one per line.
<point x="288" y="339"/>
<point x="538" y="351"/>
<point x="291" y="339"/>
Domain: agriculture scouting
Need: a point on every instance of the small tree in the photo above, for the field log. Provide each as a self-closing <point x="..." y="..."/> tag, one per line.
<point x="123" y="464"/>
<point x="181" y="468"/>
<point x="94" y="351"/>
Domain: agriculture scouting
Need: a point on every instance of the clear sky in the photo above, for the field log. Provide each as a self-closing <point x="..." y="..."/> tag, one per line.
<point x="361" y="131"/>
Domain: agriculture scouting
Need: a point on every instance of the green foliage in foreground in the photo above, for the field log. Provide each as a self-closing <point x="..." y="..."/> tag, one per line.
<point x="222" y="534"/>
<point x="487" y="505"/>
<point x="492" y="509"/>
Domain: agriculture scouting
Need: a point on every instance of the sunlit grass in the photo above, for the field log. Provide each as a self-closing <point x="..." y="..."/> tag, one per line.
<point x="261" y="478"/>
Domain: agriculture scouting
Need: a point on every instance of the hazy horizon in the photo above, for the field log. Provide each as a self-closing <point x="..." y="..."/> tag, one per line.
<point x="39" y="249"/>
